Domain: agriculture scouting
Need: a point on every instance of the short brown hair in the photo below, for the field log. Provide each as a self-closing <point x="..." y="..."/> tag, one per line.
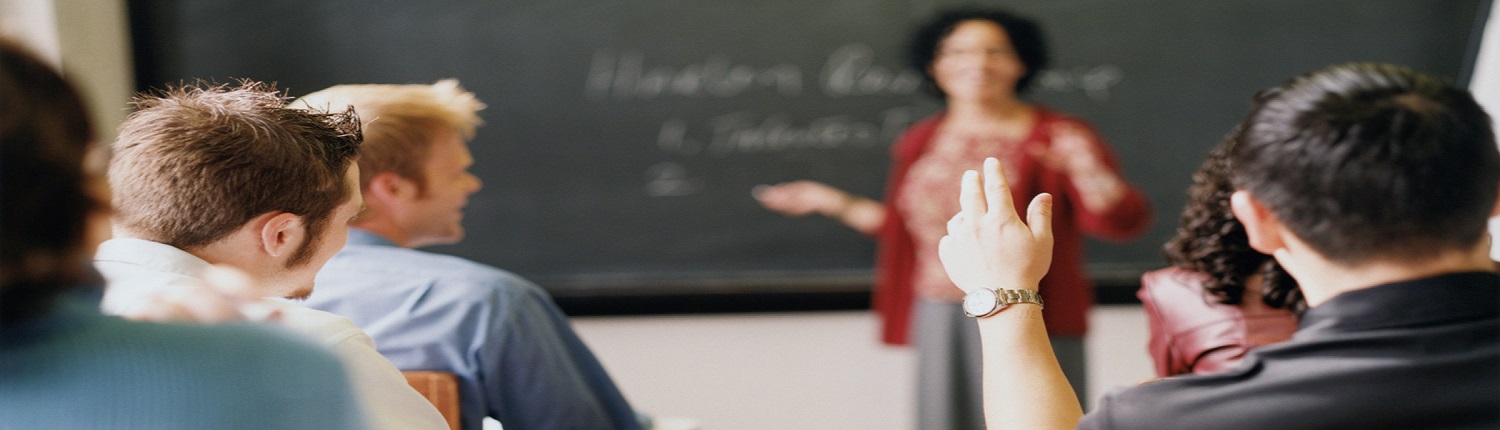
<point x="45" y="134"/>
<point x="401" y="121"/>
<point x="196" y="162"/>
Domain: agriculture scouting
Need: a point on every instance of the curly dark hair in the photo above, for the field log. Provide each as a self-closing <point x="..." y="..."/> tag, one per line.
<point x="1211" y="241"/>
<point x="1025" y="36"/>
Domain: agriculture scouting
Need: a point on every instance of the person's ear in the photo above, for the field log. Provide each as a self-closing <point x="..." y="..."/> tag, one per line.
<point x="282" y="233"/>
<point x="1261" y="226"/>
<point x="388" y="187"/>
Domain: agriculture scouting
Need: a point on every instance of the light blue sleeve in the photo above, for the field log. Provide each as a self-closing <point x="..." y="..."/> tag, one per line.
<point x="549" y="377"/>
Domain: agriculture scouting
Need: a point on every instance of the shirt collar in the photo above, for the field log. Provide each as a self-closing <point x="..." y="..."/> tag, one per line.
<point x="1419" y="302"/>
<point x="153" y="255"/>
<point x="358" y="236"/>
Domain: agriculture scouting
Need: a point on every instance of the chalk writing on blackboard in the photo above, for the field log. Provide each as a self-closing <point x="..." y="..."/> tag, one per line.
<point x="746" y="132"/>
<point x="670" y="179"/>
<point x="625" y="76"/>
<point x="1094" y="81"/>
<point x="849" y="70"/>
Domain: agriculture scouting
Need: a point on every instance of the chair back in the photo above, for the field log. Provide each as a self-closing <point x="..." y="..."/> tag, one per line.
<point x="440" y="388"/>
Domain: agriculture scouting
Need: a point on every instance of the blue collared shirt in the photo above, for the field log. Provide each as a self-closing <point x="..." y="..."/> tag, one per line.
<point x="516" y="355"/>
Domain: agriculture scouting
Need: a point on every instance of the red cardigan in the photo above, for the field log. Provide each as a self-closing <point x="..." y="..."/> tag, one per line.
<point x="1192" y="334"/>
<point x="1067" y="288"/>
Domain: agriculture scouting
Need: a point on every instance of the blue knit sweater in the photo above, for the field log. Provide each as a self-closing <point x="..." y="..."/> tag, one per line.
<point x="79" y="369"/>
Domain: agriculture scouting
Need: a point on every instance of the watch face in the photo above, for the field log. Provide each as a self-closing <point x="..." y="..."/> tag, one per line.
<point x="980" y="302"/>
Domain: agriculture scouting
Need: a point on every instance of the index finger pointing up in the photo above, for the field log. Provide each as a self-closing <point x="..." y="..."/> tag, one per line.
<point x="971" y="195"/>
<point x="997" y="189"/>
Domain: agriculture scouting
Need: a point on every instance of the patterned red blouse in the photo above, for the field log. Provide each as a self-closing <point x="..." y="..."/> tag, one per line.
<point x="922" y="194"/>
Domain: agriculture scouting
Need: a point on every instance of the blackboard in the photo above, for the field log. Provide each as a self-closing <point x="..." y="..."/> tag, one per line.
<point x="623" y="137"/>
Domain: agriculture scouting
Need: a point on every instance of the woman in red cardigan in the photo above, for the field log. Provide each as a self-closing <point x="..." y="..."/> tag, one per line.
<point x="978" y="61"/>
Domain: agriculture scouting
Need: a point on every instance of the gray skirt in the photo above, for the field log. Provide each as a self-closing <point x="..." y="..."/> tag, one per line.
<point x="948" y="367"/>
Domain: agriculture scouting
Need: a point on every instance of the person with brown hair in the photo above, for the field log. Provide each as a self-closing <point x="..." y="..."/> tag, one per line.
<point x="1221" y="298"/>
<point x="69" y="366"/>
<point x="228" y="175"/>
<point x="517" y="357"/>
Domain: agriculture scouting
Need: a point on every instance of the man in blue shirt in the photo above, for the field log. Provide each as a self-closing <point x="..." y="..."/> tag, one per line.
<point x="515" y="353"/>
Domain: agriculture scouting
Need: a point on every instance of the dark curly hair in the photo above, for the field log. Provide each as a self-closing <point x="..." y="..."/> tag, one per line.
<point x="1025" y="36"/>
<point x="1211" y="241"/>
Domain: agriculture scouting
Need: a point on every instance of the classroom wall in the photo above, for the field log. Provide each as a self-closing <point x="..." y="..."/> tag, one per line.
<point x="34" y="23"/>
<point x="90" y="40"/>
<point x="1485" y="85"/>
<point x="804" y="370"/>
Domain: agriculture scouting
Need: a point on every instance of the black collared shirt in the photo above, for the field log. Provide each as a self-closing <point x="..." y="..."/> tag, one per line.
<point x="1419" y="354"/>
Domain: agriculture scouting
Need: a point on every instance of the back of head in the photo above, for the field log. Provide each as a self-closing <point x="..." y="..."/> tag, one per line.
<point x="194" y="163"/>
<point x="1211" y="241"/>
<point x="1368" y="162"/>
<point x="45" y="202"/>
<point x="401" y="121"/>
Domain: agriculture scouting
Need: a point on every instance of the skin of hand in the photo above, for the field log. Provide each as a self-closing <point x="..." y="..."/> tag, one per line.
<point x="799" y="198"/>
<point x="988" y="245"/>
<point x="1073" y="153"/>
<point x="225" y="295"/>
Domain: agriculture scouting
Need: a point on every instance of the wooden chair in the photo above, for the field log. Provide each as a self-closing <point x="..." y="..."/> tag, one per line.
<point x="440" y="388"/>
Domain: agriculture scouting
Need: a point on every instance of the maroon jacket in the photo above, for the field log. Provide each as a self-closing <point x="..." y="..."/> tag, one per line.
<point x="1066" y="288"/>
<point x="1191" y="333"/>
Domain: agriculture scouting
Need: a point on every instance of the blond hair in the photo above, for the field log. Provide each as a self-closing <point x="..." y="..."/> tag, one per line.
<point x="401" y="121"/>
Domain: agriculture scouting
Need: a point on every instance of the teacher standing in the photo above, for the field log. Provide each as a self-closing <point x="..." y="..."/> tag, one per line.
<point x="978" y="61"/>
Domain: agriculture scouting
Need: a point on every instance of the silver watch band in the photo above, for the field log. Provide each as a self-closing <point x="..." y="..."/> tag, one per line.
<point x="1011" y="297"/>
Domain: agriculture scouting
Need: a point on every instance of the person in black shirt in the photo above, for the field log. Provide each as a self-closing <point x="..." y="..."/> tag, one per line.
<point x="1371" y="185"/>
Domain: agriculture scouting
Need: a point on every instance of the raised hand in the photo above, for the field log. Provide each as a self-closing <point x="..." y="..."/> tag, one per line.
<point x="988" y="245"/>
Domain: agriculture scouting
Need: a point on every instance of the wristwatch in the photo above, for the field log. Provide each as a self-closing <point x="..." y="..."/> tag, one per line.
<point x="983" y="302"/>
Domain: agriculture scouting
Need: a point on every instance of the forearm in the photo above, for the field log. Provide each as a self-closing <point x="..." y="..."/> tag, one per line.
<point x="799" y="198"/>
<point x="988" y="246"/>
<point x="1024" y="387"/>
<point x="859" y="213"/>
<point x="1124" y="219"/>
